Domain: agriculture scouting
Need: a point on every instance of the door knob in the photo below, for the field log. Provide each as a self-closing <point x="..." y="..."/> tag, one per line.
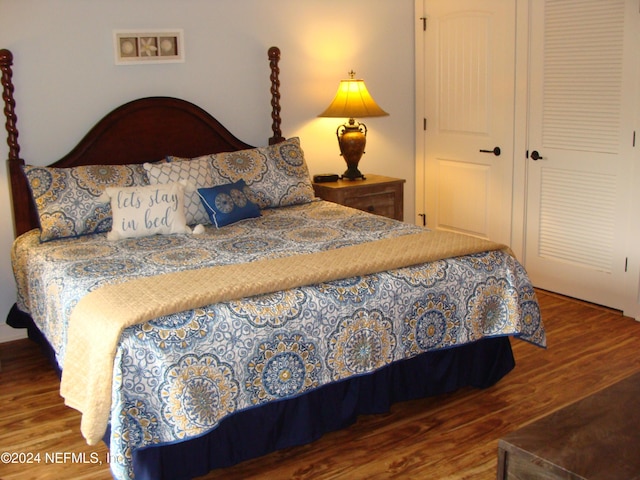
<point x="536" y="156"/>
<point x="496" y="151"/>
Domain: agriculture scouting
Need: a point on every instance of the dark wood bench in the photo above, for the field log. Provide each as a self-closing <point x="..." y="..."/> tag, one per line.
<point x="595" y="438"/>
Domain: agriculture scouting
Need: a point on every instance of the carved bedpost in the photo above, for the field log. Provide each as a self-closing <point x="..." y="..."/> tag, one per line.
<point x="20" y="196"/>
<point x="274" y="58"/>
<point x="6" y="60"/>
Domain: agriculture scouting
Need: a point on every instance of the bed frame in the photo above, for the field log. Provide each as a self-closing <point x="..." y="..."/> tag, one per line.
<point x="150" y="128"/>
<point x="146" y="129"/>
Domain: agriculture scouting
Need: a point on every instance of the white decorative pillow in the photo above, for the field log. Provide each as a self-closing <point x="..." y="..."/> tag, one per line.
<point x="148" y="210"/>
<point x="197" y="174"/>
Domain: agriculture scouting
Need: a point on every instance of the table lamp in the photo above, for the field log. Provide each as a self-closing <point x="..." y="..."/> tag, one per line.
<point x="352" y="100"/>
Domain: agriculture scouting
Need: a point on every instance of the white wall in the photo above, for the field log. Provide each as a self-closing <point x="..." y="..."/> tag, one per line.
<point x="66" y="79"/>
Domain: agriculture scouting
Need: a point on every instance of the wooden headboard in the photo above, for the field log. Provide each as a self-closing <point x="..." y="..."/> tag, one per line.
<point x="143" y="130"/>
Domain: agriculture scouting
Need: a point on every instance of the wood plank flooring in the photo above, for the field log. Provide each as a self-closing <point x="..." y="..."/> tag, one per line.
<point x="453" y="436"/>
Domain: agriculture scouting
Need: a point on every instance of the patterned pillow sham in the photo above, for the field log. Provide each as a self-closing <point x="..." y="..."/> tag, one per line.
<point x="277" y="175"/>
<point x="197" y="174"/>
<point x="147" y="210"/>
<point x="228" y="203"/>
<point x="68" y="199"/>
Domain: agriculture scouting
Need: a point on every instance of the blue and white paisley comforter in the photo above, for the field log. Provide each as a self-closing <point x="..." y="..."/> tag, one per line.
<point x="179" y="375"/>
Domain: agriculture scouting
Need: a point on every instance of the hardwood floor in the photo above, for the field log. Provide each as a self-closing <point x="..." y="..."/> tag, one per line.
<point x="452" y="436"/>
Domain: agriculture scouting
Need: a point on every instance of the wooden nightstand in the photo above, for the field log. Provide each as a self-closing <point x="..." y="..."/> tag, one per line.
<point x="377" y="194"/>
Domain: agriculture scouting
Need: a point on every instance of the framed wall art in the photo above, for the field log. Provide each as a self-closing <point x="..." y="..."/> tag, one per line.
<point x="157" y="46"/>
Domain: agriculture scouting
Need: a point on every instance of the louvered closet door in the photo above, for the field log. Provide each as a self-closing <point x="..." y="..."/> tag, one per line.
<point x="581" y="114"/>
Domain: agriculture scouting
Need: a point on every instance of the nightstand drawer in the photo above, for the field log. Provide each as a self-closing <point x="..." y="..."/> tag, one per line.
<point x="375" y="194"/>
<point x="383" y="203"/>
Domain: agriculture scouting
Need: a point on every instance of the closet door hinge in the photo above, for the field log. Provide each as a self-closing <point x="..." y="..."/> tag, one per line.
<point x="424" y="23"/>
<point x="634" y="138"/>
<point x="424" y="124"/>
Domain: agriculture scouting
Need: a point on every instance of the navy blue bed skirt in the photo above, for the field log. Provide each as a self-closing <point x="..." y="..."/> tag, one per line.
<point x="300" y="420"/>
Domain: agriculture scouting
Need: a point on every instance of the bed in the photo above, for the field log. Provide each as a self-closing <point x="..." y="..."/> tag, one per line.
<point x="204" y="308"/>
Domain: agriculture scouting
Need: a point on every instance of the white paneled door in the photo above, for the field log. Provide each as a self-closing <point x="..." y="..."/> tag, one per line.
<point x="468" y="92"/>
<point x="579" y="170"/>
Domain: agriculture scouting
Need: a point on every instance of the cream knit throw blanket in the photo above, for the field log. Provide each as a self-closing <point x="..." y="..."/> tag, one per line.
<point x="99" y="317"/>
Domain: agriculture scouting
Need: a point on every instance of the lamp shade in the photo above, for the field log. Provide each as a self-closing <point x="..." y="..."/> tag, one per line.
<point x="353" y="100"/>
